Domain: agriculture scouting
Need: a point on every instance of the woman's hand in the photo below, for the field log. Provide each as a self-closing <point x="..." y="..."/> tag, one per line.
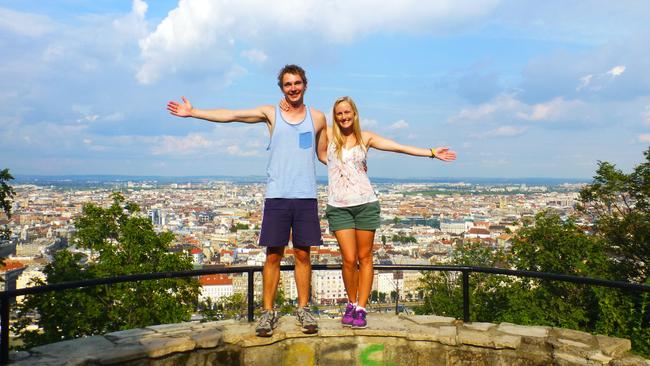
<point x="180" y="110"/>
<point x="444" y="154"/>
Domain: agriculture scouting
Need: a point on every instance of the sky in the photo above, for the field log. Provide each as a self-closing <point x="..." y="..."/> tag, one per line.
<point x="517" y="88"/>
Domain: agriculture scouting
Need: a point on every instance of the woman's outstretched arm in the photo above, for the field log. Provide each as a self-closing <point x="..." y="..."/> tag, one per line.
<point x="384" y="144"/>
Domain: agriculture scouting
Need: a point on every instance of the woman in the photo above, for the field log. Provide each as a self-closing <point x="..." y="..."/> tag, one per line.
<point x="353" y="207"/>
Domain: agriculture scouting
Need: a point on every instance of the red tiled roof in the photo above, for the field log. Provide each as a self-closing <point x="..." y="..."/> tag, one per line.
<point x="11" y="265"/>
<point x="215" y="280"/>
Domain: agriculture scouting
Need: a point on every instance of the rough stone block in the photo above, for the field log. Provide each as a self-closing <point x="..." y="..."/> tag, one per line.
<point x="448" y="335"/>
<point x="630" y="361"/>
<point x="75" y="348"/>
<point x="535" y="331"/>
<point x="475" y="338"/>
<point x="429" y="319"/>
<point x="166" y="328"/>
<point x="128" y="334"/>
<point x="122" y="354"/>
<point x="207" y="338"/>
<point x="600" y="357"/>
<point x="502" y="341"/>
<point x="161" y="346"/>
<point x="574" y="335"/>
<point x="567" y="359"/>
<point x="478" y="326"/>
<point x="614" y="347"/>
<point x="424" y="333"/>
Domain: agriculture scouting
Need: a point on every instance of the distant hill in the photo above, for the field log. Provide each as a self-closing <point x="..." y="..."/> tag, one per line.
<point x="112" y="180"/>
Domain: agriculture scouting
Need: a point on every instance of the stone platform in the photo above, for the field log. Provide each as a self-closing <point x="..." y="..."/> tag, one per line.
<point x="389" y="340"/>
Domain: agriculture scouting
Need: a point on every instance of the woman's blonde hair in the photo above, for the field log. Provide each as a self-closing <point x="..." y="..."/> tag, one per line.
<point x="336" y="130"/>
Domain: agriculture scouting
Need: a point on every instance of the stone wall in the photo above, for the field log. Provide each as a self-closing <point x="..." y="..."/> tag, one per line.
<point x="390" y="340"/>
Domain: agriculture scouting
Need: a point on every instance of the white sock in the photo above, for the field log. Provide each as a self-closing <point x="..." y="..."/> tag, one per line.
<point x="360" y="308"/>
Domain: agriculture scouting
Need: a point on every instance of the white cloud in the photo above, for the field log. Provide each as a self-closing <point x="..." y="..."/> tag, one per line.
<point x="596" y="82"/>
<point x="645" y="116"/>
<point x="367" y="123"/>
<point x="504" y="103"/>
<point x="506" y="131"/>
<point x="401" y="124"/>
<point x="508" y="107"/>
<point x="255" y="55"/>
<point x="202" y="29"/>
<point x="644" y="137"/>
<point x="616" y="71"/>
<point x="25" y="24"/>
<point x="236" y="150"/>
<point x="555" y="109"/>
<point x="133" y="24"/>
<point x="190" y="144"/>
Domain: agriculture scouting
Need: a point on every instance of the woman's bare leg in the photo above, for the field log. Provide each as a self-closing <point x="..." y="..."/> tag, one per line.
<point x="364" y="241"/>
<point x="348" y="244"/>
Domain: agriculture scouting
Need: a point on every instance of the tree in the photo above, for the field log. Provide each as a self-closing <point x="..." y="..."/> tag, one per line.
<point x="556" y="246"/>
<point x="374" y="296"/>
<point x="233" y="306"/>
<point x="619" y="203"/>
<point x="382" y="297"/>
<point x="442" y="291"/>
<point x="6" y="194"/>
<point x="121" y="241"/>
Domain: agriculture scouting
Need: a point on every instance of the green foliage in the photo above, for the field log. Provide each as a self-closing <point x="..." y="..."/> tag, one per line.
<point x="234" y="306"/>
<point x="618" y="248"/>
<point x="210" y="311"/>
<point x="620" y="205"/>
<point x="403" y="239"/>
<point x="238" y="226"/>
<point x="6" y="194"/>
<point x="488" y="293"/>
<point x="121" y="242"/>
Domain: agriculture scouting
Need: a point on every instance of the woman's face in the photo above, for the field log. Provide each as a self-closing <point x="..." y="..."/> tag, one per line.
<point x="344" y="115"/>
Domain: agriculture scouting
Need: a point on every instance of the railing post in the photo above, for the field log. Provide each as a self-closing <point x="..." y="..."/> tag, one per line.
<point x="466" y="296"/>
<point x="4" y="333"/>
<point x="251" y="293"/>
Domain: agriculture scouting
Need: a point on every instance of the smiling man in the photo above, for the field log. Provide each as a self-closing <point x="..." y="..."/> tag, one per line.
<point x="290" y="207"/>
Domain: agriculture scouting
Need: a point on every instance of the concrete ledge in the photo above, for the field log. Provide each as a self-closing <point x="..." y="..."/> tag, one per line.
<point x="389" y="340"/>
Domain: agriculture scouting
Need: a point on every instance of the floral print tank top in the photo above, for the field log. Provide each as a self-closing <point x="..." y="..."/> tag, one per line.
<point x="349" y="184"/>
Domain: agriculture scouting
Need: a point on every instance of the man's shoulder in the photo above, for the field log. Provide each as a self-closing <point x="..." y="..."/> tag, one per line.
<point x="316" y="113"/>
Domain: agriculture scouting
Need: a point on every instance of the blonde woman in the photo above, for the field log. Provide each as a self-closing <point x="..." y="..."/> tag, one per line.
<point x="352" y="207"/>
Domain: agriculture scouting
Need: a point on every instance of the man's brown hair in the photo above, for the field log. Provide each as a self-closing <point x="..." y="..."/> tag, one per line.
<point x="291" y="69"/>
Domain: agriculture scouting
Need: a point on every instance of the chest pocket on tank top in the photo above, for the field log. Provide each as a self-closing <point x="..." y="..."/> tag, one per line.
<point x="305" y="140"/>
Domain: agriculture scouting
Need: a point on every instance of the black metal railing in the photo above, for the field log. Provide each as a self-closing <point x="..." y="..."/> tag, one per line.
<point x="6" y="296"/>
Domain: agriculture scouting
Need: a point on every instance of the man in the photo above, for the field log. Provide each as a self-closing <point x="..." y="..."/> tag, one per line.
<point x="290" y="206"/>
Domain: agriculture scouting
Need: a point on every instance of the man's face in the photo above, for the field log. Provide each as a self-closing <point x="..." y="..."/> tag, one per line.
<point x="293" y="88"/>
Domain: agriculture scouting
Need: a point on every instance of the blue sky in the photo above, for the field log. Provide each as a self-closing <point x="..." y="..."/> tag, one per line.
<point x="517" y="88"/>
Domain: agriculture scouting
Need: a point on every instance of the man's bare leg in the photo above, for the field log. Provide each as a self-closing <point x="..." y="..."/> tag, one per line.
<point x="302" y="274"/>
<point x="303" y="283"/>
<point x="271" y="276"/>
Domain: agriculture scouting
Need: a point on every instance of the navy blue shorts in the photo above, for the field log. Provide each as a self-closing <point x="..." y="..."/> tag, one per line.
<point x="297" y="217"/>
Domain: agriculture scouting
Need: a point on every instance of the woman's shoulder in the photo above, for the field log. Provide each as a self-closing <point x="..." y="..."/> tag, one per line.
<point x="367" y="136"/>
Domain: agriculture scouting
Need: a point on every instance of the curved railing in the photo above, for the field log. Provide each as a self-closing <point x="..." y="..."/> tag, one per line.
<point x="6" y="296"/>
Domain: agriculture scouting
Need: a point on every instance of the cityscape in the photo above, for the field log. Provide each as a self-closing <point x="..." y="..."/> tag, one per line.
<point x="217" y="222"/>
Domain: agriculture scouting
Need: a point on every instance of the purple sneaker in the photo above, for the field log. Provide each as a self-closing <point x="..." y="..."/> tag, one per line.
<point x="359" y="321"/>
<point x="348" y="317"/>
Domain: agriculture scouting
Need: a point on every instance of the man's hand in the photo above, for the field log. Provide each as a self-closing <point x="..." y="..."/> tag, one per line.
<point x="284" y="105"/>
<point x="180" y="110"/>
<point x="444" y="154"/>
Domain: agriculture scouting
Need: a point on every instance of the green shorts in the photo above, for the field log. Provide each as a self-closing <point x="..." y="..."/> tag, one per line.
<point x="361" y="217"/>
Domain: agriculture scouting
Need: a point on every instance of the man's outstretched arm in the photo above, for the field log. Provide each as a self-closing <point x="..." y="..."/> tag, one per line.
<point x="185" y="109"/>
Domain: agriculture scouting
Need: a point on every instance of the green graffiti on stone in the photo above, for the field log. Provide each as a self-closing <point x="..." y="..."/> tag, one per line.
<point x="364" y="356"/>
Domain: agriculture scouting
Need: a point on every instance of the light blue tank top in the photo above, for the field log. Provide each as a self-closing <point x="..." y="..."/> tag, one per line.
<point x="291" y="170"/>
